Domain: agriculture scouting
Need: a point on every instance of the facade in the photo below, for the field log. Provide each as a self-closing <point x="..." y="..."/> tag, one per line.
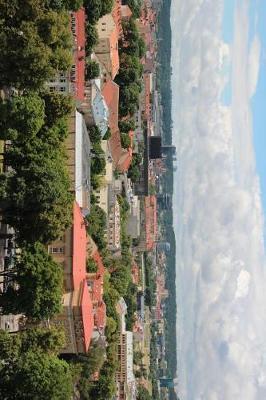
<point x="126" y="384"/>
<point x="113" y="227"/>
<point x="107" y="47"/>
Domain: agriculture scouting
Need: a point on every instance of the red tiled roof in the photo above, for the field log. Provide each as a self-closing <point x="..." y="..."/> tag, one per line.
<point x="79" y="247"/>
<point x="110" y="93"/>
<point x="98" y="259"/>
<point x="114" y="53"/>
<point x="126" y="155"/>
<point x="100" y="316"/>
<point x="87" y="314"/>
<point x="80" y="55"/>
<point x="116" y="13"/>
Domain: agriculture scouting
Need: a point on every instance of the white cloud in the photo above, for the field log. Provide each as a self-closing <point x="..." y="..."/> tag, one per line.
<point x="254" y="65"/>
<point x="219" y="221"/>
<point x="243" y="281"/>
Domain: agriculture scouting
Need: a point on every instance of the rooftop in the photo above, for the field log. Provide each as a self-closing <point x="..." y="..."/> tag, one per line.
<point x="79" y="55"/>
<point x="87" y="314"/>
<point x="79" y="247"/>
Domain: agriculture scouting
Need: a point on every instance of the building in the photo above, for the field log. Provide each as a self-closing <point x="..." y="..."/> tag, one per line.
<point x="95" y="283"/>
<point x="94" y="107"/>
<point x="76" y="318"/>
<point x="117" y="16"/>
<point x="73" y="82"/>
<point x="107" y="47"/>
<point x="114" y="226"/>
<point x="126" y="384"/>
<point x="78" y="149"/>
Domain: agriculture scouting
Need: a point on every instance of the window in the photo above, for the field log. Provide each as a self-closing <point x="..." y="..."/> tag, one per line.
<point x="57" y="250"/>
<point x="62" y="89"/>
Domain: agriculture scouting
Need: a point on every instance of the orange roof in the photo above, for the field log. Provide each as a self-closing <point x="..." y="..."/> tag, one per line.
<point x="126" y="155"/>
<point x="110" y="93"/>
<point x="114" y="55"/>
<point x="126" y="12"/>
<point x="87" y="314"/>
<point x="125" y="160"/>
<point x="80" y="41"/>
<point x="100" y="316"/>
<point x="79" y="272"/>
<point x="98" y="259"/>
<point x="116" y="13"/>
<point x="79" y="247"/>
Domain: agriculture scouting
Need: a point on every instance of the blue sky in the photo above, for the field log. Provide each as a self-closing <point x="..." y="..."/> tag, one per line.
<point x="257" y="17"/>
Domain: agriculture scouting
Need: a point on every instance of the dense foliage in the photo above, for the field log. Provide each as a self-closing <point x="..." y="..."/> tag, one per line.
<point x="35" y="285"/>
<point x="37" y="199"/>
<point x="29" y="367"/>
<point x="35" y="42"/>
<point x="131" y="50"/>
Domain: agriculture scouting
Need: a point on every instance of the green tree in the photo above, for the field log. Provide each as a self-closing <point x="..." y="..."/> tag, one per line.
<point x="24" y="113"/>
<point x="71" y="5"/>
<point x="37" y="285"/>
<point x="111" y="327"/>
<point x="92" y="69"/>
<point x="50" y="340"/>
<point x="94" y="134"/>
<point x="35" y="43"/>
<point x="57" y="106"/>
<point x="91" y="266"/>
<point x="127" y="125"/>
<point x="98" y="161"/>
<point x="97" y="223"/>
<point x="108" y="134"/>
<point x="125" y="140"/>
<point x="143" y="393"/>
<point x="133" y="173"/>
<point x="135" y="6"/>
<point x="97" y="8"/>
<point x="35" y="375"/>
<point x="91" y="37"/>
<point x="120" y="279"/>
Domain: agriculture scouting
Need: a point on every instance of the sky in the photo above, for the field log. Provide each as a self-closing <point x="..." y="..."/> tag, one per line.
<point x="219" y="89"/>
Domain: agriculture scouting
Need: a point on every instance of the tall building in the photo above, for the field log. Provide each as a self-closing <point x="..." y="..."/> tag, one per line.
<point x="126" y="383"/>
